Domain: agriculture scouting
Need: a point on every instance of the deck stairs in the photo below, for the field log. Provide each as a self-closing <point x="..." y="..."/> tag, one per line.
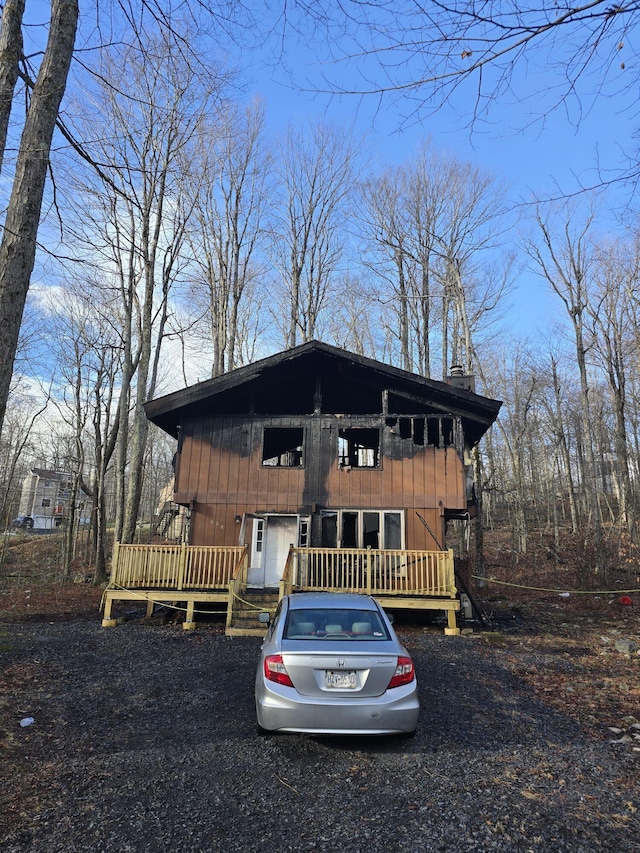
<point x="244" y="621"/>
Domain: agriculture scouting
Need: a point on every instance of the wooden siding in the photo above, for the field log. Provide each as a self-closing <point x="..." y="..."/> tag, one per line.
<point x="221" y="476"/>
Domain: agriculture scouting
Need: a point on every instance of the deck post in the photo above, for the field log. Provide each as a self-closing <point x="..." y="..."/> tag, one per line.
<point x="189" y="624"/>
<point x="452" y="629"/>
<point x="368" y="569"/>
<point x="230" y="602"/>
<point x="114" y="562"/>
<point x="107" y="621"/>
<point x="181" y="565"/>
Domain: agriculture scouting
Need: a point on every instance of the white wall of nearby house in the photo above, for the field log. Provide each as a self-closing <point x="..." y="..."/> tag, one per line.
<point x="45" y="497"/>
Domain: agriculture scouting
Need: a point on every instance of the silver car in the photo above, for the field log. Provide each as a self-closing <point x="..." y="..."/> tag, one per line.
<point x="332" y="664"/>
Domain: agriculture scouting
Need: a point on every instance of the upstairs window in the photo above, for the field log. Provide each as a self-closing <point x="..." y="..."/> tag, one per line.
<point x="283" y="448"/>
<point x="359" y="448"/>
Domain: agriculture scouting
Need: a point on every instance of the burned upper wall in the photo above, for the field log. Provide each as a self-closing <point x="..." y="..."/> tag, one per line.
<point x="230" y="461"/>
<point x="316" y="378"/>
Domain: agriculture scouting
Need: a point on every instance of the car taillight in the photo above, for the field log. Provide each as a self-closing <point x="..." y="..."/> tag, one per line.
<point x="404" y="673"/>
<point x="275" y="670"/>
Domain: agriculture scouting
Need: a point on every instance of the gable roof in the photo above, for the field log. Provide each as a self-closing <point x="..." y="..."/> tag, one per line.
<point x="285" y="383"/>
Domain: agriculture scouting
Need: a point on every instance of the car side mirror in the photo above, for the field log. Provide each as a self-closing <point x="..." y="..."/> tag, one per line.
<point x="264" y="618"/>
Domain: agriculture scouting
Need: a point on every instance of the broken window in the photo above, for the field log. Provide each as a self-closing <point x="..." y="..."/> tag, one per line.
<point x="282" y="447"/>
<point x="412" y="428"/>
<point x="359" y="448"/>
<point x="358" y="528"/>
<point x="329" y="529"/>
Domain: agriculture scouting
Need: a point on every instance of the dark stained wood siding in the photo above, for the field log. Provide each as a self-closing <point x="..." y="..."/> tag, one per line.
<point x="221" y="476"/>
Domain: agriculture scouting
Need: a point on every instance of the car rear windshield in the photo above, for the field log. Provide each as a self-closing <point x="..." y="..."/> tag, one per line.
<point x="335" y="624"/>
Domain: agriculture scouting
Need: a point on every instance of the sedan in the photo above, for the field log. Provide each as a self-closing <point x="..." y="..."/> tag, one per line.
<point x="331" y="664"/>
<point x="22" y="522"/>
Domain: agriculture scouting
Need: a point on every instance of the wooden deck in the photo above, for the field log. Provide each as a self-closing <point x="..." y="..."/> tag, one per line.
<point x="187" y="575"/>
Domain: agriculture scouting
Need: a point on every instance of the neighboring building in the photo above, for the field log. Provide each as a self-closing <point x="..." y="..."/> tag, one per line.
<point x="45" y="497"/>
<point x="319" y="447"/>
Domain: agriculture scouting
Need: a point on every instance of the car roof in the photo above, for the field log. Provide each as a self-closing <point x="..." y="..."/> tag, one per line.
<point x="334" y="600"/>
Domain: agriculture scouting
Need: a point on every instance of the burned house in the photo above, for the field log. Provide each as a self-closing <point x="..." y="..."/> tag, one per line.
<point x="316" y="469"/>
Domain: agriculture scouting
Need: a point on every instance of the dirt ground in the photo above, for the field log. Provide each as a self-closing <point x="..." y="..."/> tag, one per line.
<point x="595" y="630"/>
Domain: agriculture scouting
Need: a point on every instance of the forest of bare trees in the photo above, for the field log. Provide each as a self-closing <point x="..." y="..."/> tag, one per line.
<point x="180" y="237"/>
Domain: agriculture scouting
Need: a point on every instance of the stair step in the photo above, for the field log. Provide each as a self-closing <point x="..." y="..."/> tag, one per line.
<point x="245" y="613"/>
<point x="245" y="632"/>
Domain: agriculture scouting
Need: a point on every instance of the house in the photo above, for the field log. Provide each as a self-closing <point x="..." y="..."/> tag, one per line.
<point x="45" y="497"/>
<point x="328" y="470"/>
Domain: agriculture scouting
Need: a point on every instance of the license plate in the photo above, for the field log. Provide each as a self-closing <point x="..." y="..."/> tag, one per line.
<point x="343" y="680"/>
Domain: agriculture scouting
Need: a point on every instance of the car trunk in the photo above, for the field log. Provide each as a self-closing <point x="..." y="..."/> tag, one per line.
<point x="340" y="673"/>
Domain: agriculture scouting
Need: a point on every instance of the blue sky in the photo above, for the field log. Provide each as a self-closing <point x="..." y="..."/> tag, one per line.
<point x="539" y="151"/>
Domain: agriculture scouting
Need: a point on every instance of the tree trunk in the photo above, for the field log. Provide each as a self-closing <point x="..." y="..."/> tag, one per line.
<point x="10" y="55"/>
<point x="18" y="247"/>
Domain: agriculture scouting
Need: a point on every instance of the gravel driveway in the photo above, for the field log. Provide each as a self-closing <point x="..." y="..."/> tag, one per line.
<point x="144" y="740"/>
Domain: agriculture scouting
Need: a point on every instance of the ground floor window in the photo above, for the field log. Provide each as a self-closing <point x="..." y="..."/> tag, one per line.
<point x="363" y="528"/>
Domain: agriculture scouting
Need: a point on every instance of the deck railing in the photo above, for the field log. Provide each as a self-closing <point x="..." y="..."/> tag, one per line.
<point x="179" y="567"/>
<point x="376" y="572"/>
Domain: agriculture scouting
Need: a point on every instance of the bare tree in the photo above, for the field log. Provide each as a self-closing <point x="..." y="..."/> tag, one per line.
<point x="87" y="350"/>
<point x="388" y="233"/>
<point x="316" y="175"/>
<point x="612" y="315"/>
<point x="18" y="245"/>
<point x="563" y="257"/>
<point x="134" y="224"/>
<point x="135" y="21"/>
<point x="231" y="172"/>
<point x="425" y="225"/>
<point x="10" y="56"/>
<point x="426" y="53"/>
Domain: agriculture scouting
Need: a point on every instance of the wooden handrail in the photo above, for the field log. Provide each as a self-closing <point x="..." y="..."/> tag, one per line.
<point x="179" y="567"/>
<point x="377" y="572"/>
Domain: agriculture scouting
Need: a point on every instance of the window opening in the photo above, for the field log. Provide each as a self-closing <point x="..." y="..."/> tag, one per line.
<point x="257" y="542"/>
<point x="363" y="529"/>
<point x="433" y="432"/>
<point x="349" y="530"/>
<point x="392" y="531"/>
<point x="418" y="432"/>
<point x="282" y="448"/>
<point x="303" y="533"/>
<point x="359" y="448"/>
<point x="329" y="530"/>
<point x="370" y="529"/>
<point x="447" y="431"/>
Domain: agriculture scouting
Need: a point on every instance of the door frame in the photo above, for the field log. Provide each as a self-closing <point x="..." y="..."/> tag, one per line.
<point x="260" y="545"/>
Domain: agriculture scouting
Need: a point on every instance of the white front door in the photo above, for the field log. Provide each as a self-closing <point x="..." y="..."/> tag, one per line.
<point x="281" y="531"/>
